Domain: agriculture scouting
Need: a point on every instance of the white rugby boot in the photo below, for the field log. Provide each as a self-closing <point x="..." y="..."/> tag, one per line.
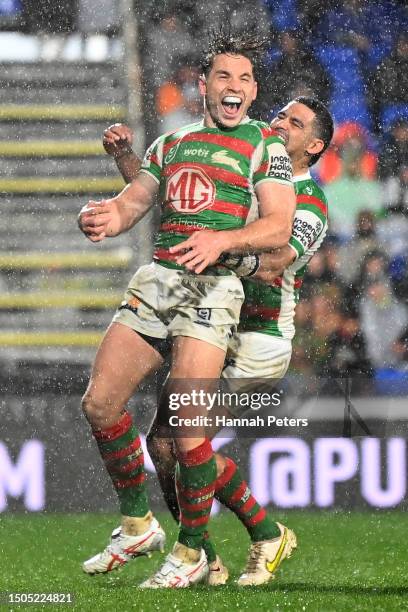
<point x="175" y="573"/>
<point x="217" y="573"/>
<point x="123" y="548"/>
<point x="265" y="557"/>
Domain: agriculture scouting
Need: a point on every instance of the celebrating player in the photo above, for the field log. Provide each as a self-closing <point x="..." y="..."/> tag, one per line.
<point x="205" y="175"/>
<point x="262" y="348"/>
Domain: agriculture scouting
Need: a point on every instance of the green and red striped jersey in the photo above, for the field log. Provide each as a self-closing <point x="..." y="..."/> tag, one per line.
<point x="270" y="309"/>
<point x="207" y="177"/>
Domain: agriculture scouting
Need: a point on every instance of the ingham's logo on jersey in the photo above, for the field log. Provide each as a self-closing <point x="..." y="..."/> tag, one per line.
<point x="279" y="166"/>
<point x="222" y="157"/>
<point x="306" y="229"/>
<point x="190" y="190"/>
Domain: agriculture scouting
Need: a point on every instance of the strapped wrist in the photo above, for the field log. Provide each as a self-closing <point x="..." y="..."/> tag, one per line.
<point x="242" y="265"/>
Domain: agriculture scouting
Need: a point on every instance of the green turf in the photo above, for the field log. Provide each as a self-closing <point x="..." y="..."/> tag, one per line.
<point x="344" y="562"/>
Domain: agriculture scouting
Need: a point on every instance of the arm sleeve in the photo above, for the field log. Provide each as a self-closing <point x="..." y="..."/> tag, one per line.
<point x="152" y="163"/>
<point x="274" y="163"/>
<point x="308" y="227"/>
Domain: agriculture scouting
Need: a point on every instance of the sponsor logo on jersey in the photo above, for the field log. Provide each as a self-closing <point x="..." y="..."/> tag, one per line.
<point x="171" y="154"/>
<point x="196" y="152"/>
<point x="222" y="157"/>
<point x="305" y="232"/>
<point x="190" y="190"/>
<point x="279" y="165"/>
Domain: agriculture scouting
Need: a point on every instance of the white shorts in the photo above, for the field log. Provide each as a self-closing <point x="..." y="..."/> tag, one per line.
<point x="257" y="355"/>
<point x="161" y="302"/>
<point x="253" y="356"/>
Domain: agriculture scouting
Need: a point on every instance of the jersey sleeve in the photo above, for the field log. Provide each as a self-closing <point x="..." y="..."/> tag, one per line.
<point x="152" y="163"/>
<point x="274" y="163"/>
<point x="309" y="225"/>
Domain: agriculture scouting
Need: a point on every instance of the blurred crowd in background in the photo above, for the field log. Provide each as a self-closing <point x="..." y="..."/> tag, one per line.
<point x="352" y="55"/>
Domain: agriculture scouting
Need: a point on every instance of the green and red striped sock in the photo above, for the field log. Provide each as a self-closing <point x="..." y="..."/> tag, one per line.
<point x="122" y="455"/>
<point x="232" y="491"/>
<point x="195" y="482"/>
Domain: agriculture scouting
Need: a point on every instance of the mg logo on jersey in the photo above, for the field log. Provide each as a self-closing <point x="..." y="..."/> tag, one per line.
<point x="190" y="190"/>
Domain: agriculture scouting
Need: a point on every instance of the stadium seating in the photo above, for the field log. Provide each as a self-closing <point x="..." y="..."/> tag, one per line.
<point x="348" y="101"/>
<point x="391" y="113"/>
<point x="58" y="290"/>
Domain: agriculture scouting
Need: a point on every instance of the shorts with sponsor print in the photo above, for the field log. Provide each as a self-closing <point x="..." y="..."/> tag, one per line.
<point x="161" y="302"/>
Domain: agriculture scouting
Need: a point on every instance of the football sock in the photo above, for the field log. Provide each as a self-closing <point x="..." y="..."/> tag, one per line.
<point x="232" y="491"/>
<point x="168" y="486"/>
<point x="209" y="548"/>
<point x="196" y="473"/>
<point x="122" y="454"/>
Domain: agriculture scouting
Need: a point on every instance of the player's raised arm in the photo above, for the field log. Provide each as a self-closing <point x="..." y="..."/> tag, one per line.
<point x="117" y="142"/>
<point x="109" y="218"/>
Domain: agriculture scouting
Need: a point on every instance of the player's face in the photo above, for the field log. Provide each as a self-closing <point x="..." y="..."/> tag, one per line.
<point x="229" y="89"/>
<point x="295" y="123"/>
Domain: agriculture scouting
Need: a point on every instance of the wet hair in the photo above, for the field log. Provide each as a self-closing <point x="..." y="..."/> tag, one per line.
<point x="224" y="40"/>
<point x="323" y="123"/>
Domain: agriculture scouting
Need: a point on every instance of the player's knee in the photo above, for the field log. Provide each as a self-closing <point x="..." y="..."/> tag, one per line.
<point x="221" y="464"/>
<point x="96" y="410"/>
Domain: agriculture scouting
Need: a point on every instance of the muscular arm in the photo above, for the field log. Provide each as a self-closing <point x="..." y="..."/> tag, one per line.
<point x="128" y="165"/>
<point x="117" y="141"/>
<point x="277" y="205"/>
<point x="271" y="265"/>
<point x="109" y="218"/>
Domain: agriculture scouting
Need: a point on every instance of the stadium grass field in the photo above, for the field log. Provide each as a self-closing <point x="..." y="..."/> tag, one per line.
<point x="345" y="561"/>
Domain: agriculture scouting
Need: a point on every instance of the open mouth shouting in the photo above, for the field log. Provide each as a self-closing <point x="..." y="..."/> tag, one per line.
<point x="231" y="106"/>
<point x="282" y="132"/>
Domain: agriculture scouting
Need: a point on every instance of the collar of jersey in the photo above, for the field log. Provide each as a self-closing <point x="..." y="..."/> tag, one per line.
<point x="302" y="177"/>
<point x="246" y="119"/>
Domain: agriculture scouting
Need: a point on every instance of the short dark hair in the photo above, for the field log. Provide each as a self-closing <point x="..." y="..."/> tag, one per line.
<point x="224" y="40"/>
<point x="323" y="123"/>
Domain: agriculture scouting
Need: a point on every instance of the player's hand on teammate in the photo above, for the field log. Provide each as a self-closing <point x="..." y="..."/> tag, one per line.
<point x="98" y="220"/>
<point x="117" y="140"/>
<point x="200" y="250"/>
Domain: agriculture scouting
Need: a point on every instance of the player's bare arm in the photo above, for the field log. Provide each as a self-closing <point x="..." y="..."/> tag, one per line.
<point x="277" y="207"/>
<point x="109" y="218"/>
<point x="117" y="141"/>
<point x="272" y="265"/>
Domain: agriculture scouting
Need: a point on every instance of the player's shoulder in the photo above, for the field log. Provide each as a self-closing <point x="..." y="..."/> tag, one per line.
<point x="310" y="197"/>
<point x="182" y="131"/>
<point x="265" y="132"/>
<point x="307" y="186"/>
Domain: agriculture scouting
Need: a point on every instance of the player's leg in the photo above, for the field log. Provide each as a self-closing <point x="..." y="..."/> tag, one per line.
<point x="196" y="470"/>
<point x="255" y="356"/>
<point x="124" y="358"/>
<point x="160" y="446"/>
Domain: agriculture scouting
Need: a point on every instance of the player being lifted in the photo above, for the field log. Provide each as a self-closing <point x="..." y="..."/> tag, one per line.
<point x="205" y="175"/>
<point x="262" y="348"/>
